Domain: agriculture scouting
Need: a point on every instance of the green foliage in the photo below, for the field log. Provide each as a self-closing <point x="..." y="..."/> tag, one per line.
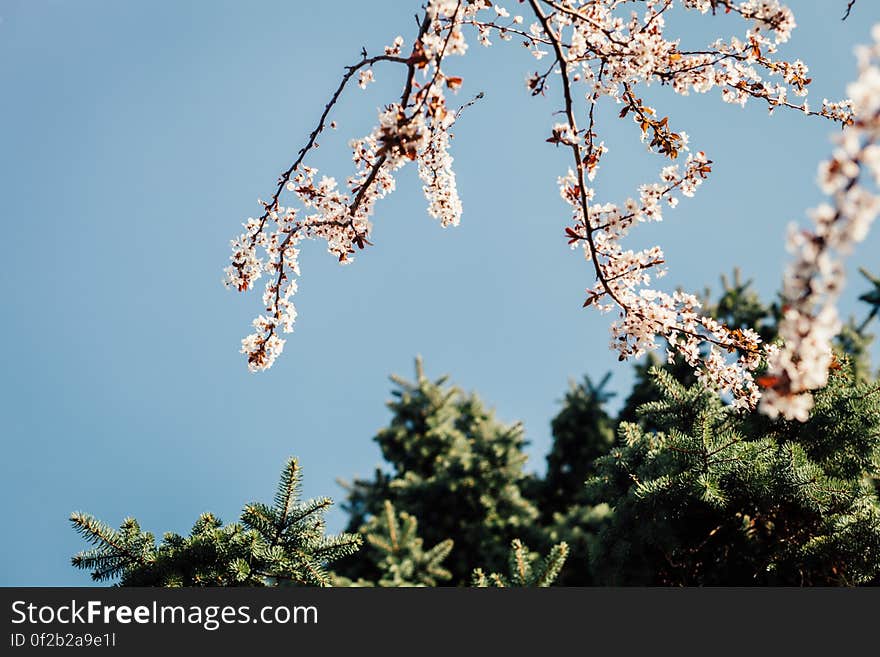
<point x="699" y="494"/>
<point x="393" y="545"/>
<point x="455" y="468"/>
<point x="871" y="297"/>
<point x="578" y="526"/>
<point x="582" y="431"/>
<point x="280" y="544"/>
<point x="525" y="568"/>
<point x="716" y="497"/>
<point x="677" y="489"/>
<point x="854" y="340"/>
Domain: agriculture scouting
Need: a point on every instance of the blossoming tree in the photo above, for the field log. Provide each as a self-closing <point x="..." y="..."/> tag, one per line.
<point x="596" y="51"/>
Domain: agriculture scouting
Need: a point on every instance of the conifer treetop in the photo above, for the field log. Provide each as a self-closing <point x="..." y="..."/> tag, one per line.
<point x="284" y="543"/>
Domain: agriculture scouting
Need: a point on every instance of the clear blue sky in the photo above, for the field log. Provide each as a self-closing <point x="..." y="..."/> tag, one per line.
<point x="136" y="136"/>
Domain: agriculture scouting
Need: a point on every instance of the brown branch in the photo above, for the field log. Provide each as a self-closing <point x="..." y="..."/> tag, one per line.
<point x="582" y="194"/>
<point x="285" y="177"/>
<point x="423" y="92"/>
<point x="576" y="151"/>
<point x="371" y="176"/>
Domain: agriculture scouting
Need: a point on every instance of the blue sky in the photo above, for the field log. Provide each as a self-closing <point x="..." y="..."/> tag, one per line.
<point x="135" y="137"/>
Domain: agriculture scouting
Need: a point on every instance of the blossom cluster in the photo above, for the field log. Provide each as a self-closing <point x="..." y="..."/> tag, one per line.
<point x="415" y="129"/>
<point x="603" y="53"/>
<point x="815" y="278"/>
<point x="599" y="51"/>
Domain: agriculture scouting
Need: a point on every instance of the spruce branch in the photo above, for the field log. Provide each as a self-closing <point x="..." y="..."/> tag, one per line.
<point x="282" y="544"/>
<point x="525" y="568"/>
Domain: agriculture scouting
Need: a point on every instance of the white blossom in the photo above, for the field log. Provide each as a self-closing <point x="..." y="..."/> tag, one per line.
<point x="601" y="51"/>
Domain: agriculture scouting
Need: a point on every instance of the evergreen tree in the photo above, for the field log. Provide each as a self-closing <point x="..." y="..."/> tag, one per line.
<point x="455" y="468"/>
<point x="723" y="498"/>
<point x="678" y="489"/>
<point x="606" y="527"/>
<point x="280" y="544"/>
<point x="582" y="432"/>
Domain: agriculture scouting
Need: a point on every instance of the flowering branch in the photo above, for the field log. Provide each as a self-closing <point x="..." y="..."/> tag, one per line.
<point x="600" y="51"/>
<point x="415" y="128"/>
<point x="814" y="280"/>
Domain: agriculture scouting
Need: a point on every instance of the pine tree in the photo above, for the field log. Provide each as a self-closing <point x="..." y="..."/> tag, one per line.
<point x="280" y="544"/>
<point x="582" y="432"/>
<point x="525" y="568"/>
<point x="722" y="498"/>
<point x="641" y="480"/>
<point x="679" y="489"/>
<point x="455" y="468"/>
